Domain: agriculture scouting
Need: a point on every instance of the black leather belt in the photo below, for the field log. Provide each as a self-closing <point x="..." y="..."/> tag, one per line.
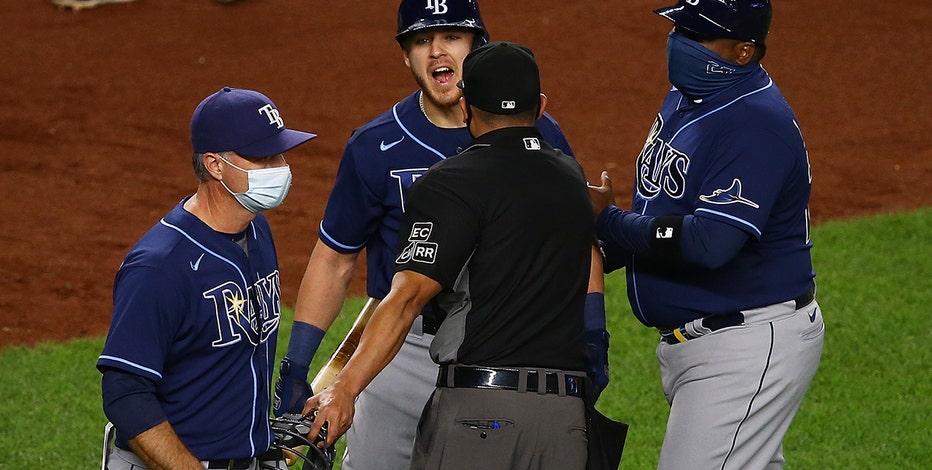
<point x="231" y="464"/>
<point x="805" y="299"/>
<point x="244" y="464"/>
<point x="717" y="322"/>
<point x="507" y="379"/>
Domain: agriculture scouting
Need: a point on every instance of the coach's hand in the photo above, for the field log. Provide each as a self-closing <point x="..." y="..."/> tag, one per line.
<point x="291" y="389"/>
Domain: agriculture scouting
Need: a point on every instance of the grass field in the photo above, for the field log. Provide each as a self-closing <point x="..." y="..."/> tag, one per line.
<point x="868" y="408"/>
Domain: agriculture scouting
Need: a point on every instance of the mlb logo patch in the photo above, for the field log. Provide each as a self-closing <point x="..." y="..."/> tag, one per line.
<point x="508" y="105"/>
<point x="531" y="143"/>
<point x="664" y="232"/>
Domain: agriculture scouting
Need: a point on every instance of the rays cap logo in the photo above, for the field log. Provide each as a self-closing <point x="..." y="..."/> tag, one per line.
<point x="501" y="78"/>
<point x="243" y="121"/>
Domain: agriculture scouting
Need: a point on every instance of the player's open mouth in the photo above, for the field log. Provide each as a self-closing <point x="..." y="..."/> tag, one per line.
<point x="443" y="75"/>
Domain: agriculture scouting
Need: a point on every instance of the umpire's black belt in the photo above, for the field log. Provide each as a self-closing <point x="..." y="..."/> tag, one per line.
<point x="244" y="464"/>
<point x="495" y="378"/>
<point x="717" y="322"/>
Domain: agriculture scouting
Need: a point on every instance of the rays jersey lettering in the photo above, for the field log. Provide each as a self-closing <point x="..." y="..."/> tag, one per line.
<point x="661" y="167"/>
<point x="405" y="178"/>
<point x="254" y="314"/>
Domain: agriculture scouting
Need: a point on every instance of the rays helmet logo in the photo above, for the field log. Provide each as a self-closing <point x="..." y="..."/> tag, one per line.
<point x="419" y="249"/>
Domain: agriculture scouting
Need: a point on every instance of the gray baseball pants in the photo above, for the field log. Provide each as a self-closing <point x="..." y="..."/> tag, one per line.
<point x="734" y="392"/>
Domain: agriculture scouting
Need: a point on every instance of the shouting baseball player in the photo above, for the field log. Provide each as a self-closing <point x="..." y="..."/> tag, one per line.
<point x="381" y="160"/>
<point x="716" y="244"/>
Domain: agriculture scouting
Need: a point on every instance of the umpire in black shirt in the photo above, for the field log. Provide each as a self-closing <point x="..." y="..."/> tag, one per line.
<point x="500" y="237"/>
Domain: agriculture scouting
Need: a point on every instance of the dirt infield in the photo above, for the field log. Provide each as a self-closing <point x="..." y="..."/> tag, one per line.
<point x="96" y="108"/>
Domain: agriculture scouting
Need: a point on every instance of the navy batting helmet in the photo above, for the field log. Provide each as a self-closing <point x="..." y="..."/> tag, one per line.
<point x="415" y="15"/>
<point x="747" y="20"/>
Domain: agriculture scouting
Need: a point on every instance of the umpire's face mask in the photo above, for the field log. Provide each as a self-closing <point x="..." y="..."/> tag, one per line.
<point x="698" y="72"/>
<point x="267" y="187"/>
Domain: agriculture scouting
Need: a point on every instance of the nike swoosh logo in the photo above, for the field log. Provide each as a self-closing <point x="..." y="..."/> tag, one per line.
<point x="383" y="146"/>
<point x="197" y="264"/>
<point x="812" y="317"/>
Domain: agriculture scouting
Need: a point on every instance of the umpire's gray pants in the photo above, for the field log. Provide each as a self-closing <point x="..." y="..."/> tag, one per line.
<point x="469" y="428"/>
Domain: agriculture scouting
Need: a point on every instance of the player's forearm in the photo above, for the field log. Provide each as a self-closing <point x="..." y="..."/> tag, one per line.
<point x="161" y="448"/>
<point x="596" y="276"/>
<point x="324" y="286"/>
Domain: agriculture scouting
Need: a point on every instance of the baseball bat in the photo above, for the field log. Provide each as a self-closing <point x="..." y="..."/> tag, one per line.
<point x="329" y="371"/>
<point x="344" y="351"/>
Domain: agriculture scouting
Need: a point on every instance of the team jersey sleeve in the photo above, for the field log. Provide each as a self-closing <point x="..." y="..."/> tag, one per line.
<point x="439" y="230"/>
<point x="353" y="207"/>
<point x="754" y="171"/>
<point x="146" y="313"/>
<point x="553" y="135"/>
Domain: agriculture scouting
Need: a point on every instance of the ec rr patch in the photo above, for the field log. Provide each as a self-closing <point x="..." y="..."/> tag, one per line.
<point x="419" y="249"/>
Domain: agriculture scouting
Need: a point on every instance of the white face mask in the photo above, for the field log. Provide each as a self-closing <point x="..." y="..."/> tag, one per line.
<point x="267" y="187"/>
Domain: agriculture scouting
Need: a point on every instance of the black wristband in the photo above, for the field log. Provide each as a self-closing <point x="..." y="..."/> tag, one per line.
<point x="665" y="239"/>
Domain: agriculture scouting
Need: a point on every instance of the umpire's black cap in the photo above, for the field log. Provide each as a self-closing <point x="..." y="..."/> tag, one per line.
<point x="501" y="78"/>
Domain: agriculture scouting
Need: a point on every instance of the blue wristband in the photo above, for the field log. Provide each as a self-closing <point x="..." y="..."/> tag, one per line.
<point x="594" y="311"/>
<point x="305" y="339"/>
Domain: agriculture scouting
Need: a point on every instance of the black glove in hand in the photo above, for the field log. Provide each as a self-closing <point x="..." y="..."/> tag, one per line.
<point x="291" y="389"/>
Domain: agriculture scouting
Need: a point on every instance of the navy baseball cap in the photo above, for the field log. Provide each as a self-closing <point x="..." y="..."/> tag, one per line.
<point x="501" y="78"/>
<point x="244" y="121"/>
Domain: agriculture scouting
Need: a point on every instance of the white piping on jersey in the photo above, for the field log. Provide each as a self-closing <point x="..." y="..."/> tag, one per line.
<point x="221" y="258"/>
<point x="640" y="312"/>
<point x="252" y="363"/>
<point x="255" y="397"/>
<point x="414" y="138"/>
<point x="729" y="216"/>
<point x="345" y="247"/>
<point x="768" y="85"/>
<point x="406" y="131"/>
<point x="163" y="222"/>
<point x="130" y="363"/>
<point x="637" y="297"/>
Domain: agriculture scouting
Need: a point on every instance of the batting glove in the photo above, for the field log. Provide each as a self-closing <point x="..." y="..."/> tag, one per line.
<point x="597" y="350"/>
<point x="291" y="389"/>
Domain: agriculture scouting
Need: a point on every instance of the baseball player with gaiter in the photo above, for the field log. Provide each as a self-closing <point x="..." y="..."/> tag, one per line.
<point x="716" y="245"/>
